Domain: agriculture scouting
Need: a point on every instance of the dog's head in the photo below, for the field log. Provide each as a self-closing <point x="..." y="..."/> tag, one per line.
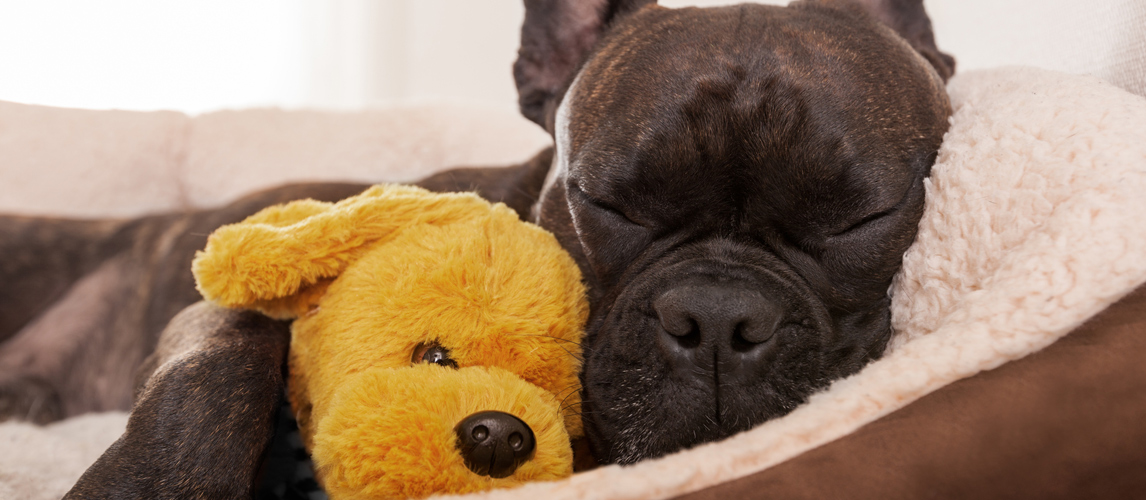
<point x="738" y="185"/>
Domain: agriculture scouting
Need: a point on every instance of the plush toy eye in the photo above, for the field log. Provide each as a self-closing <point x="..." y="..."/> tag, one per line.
<point x="433" y="353"/>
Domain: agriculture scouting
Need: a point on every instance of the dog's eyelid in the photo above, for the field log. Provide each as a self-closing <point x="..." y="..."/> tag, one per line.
<point x="610" y="208"/>
<point x="877" y="215"/>
<point x="575" y="187"/>
<point x="865" y="221"/>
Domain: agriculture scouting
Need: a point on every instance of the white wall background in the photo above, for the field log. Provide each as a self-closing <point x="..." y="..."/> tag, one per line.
<point x="152" y="54"/>
<point x="202" y="55"/>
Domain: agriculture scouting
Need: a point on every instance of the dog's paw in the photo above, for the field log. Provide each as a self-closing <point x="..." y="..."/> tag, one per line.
<point x="30" y="399"/>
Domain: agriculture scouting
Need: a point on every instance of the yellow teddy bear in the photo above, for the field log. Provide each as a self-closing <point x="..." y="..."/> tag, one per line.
<point x="436" y="338"/>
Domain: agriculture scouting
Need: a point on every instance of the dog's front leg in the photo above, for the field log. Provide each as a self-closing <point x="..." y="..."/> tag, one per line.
<point x="203" y="414"/>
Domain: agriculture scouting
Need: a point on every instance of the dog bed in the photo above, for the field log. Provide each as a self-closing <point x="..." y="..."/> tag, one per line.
<point x="1033" y="226"/>
<point x="111" y="163"/>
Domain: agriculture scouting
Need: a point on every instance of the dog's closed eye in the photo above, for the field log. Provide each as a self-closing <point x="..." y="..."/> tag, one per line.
<point x="882" y="214"/>
<point x="864" y="222"/>
<point x="608" y="208"/>
<point x="433" y="352"/>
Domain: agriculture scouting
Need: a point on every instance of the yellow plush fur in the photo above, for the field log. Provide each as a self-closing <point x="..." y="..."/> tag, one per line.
<point x="372" y="278"/>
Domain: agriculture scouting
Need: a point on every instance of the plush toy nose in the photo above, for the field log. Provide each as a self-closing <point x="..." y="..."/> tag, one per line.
<point x="494" y="443"/>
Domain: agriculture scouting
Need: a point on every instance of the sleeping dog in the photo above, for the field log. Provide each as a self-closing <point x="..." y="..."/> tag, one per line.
<point x="738" y="185"/>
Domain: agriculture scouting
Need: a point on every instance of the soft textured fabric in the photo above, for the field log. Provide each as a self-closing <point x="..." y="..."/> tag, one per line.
<point x="84" y="163"/>
<point x="374" y="278"/>
<point x="44" y="462"/>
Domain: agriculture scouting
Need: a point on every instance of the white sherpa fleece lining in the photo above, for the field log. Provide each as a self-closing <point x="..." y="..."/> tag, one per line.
<point x="1033" y="223"/>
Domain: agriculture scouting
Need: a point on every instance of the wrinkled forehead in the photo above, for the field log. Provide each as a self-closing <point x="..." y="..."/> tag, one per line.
<point x="672" y="71"/>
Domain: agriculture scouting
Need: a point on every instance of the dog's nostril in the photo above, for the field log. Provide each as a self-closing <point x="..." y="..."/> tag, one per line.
<point x="688" y="337"/>
<point x="674" y="319"/>
<point x="741" y="338"/>
<point x="494" y="443"/>
<point x="761" y="324"/>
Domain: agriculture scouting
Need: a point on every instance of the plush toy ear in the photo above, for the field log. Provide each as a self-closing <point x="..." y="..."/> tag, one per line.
<point x="280" y="260"/>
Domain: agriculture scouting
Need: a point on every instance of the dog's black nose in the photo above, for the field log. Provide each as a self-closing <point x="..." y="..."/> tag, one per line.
<point x="494" y="443"/>
<point x="726" y="319"/>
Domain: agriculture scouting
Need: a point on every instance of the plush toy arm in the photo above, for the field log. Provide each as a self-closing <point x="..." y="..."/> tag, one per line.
<point x="281" y="251"/>
<point x="205" y="414"/>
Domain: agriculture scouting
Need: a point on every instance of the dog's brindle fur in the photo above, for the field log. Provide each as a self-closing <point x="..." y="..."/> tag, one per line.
<point x="707" y="160"/>
<point x="739" y="185"/>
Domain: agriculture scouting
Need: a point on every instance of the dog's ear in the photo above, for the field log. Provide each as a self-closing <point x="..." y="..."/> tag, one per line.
<point x="556" y="38"/>
<point x="909" y="19"/>
<point x="280" y="260"/>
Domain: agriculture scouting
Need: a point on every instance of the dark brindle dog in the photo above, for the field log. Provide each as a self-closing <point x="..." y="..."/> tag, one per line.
<point x="738" y="185"/>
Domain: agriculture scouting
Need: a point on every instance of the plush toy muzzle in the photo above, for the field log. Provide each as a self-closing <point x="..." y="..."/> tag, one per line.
<point x="397" y="433"/>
